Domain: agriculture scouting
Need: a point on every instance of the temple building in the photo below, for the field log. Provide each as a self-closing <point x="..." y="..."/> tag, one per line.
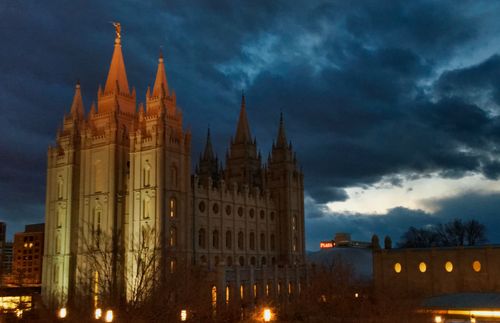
<point x="121" y="194"/>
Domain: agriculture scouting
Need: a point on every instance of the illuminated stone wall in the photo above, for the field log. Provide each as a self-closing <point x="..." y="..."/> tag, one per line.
<point x="435" y="271"/>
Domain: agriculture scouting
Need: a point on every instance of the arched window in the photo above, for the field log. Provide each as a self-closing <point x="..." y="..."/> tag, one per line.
<point x="295" y="243"/>
<point x="56" y="274"/>
<point x="227" y="294"/>
<point x="229" y="240"/>
<point x="294" y="222"/>
<point x="173" y="175"/>
<point x="262" y="241"/>
<point x="172" y="266"/>
<point x="263" y="261"/>
<point x="241" y="239"/>
<point x="215" y="239"/>
<point x="58" y="244"/>
<point x="272" y="242"/>
<point x="59" y="217"/>
<point x="201" y="238"/>
<point x="145" y="237"/>
<point x="98" y="176"/>
<point x="242" y="261"/>
<point x="229" y="261"/>
<point x="214" y="296"/>
<point x="252" y="241"/>
<point x="252" y="261"/>
<point x="60" y="185"/>
<point x="173" y="207"/>
<point x="173" y="237"/>
<point x="146" y="208"/>
<point x="146" y="172"/>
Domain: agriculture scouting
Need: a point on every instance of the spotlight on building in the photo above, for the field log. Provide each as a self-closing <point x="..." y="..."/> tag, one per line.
<point x="267" y="315"/>
<point x="184" y="315"/>
<point x="109" y="316"/>
<point x="63" y="312"/>
<point x="97" y="313"/>
<point x="438" y="319"/>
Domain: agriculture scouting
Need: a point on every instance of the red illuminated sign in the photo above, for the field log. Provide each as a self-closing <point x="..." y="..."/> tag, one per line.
<point x="327" y="244"/>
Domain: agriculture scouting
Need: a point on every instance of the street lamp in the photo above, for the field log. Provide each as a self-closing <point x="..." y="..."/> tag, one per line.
<point x="267" y="315"/>
<point x="62" y="313"/>
<point x="97" y="313"/>
<point x="438" y="319"/>
<point x="183" y="315"/>
<point x="109" y="316"/>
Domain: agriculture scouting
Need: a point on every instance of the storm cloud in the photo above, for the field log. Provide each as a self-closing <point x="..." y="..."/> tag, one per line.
<point x="369" y="91"/>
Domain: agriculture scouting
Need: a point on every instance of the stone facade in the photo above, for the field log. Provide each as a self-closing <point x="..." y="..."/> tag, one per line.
<point x="119" y="180"/>
<point x="435" y="271"/>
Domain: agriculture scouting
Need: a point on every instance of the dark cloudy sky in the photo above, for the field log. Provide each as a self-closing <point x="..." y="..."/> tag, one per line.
<point x="392" y="106"/>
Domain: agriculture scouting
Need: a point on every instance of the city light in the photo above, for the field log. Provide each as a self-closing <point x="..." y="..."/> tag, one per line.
<point x="109" y="316"/>
<point x="98" y="313"/>
<point x="62" y="313"/>
<point x="183" y="315"/>
<point x="268" y="315"/>
<point x="438" y="319"/>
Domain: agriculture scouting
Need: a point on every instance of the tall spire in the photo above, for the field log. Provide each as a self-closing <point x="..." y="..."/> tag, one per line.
<point x="161" y="85"/>
<point x="281" y="139"/>
<point x="77" y="105"/>
<point x="117" y="76"/>
<point x="243" y="130"/>
<point x="208" y="154"/>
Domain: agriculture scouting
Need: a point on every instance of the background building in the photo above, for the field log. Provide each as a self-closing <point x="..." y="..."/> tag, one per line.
<point x="28" y="256"/>
<point x="120" y="191"/>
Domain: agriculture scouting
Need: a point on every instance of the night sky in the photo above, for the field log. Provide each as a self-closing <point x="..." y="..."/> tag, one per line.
<point x="393" y="107"/>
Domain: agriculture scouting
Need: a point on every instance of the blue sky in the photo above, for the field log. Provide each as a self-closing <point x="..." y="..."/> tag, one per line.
<point x="392" y="106"/>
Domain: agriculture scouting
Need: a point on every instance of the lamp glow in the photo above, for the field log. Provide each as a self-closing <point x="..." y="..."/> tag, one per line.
<point x="98" y="313"/>
<point x="62" y="313"/>
<point x="183" y="315"/>
<point x="268" y="315"/>
<point x="438" y="319"/>
<point x="109" y="316"/>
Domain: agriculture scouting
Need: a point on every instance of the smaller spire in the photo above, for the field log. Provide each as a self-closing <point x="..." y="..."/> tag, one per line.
<point x="77" y="105"/>
<point x="243" y="130"/>
<point x="281" y="139"/>
<point x="208" y="154"/>
<point x="160" y="87"/>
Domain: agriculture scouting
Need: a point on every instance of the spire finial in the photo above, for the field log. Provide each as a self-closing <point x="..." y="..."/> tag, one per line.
<point x="118" y="31"/>
<point x="160" y="55"/>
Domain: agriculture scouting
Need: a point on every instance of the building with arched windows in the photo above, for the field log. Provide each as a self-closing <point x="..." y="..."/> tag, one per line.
<point x="119" y="185"/>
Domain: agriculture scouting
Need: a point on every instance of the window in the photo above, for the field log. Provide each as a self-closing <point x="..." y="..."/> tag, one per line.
<point x="215" y="208"/>
<point x="215" y="239"/>
<point x="252" y="261"/>
<point x="145" y="237"/>
<point x="173" y="262"/>
<point x="227" y="294"/>
<point x="295" y="243"/>
<point x="201" y="238"/>
<point x="229" y="240"/>
<point x="240" y="211"/>
<point x="252" y="213"/>
<point x="146" y="207"/>
<point x="228" y="209"/>
<point x="262" y="214"/>
<point x="422" y="267"/>
<point x="201" y="207"/>
<point x="272" y="216"/>
<point x="60" y="185"/>
<point x="397" y="267"/>
<point x="99" y="177"/>
<point x="263" y="261"/>
<point x="173" y="207"/>
<point x="173" y="237"/>
<point x="59" y="216"/>
<point x="241" y="240"/>
<point x="146" y="172"/>
<point x="272" y="242"/>
<point x="448" y="266"/>
<point x="173" y="175"/>
<point x="254" y="290"/>
<point x="242" y="261"/>
<point x="242" y="291"/>
<point x="58" y="244"/>
<point x="294" y="222"/>
<point x="229" y="261"/>
<point x="476" y="266"/>
<point x="214" y="296"/>
<point x="252" y="241"/>
<point x="262" y="241"/>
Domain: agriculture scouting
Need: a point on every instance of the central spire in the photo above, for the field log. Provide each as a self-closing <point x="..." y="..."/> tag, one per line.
<point x="117" y="76"/>
<point x="243" y="131"/>
<point x="160" y="87"/>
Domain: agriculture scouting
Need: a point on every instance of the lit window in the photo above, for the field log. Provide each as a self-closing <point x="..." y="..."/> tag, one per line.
<point x="172" y="266"/>
<point x="173" y="207"/>
<point x="422" y="267"/>
<point x="227" y="294"/>
<point x="214" y="296"/>
<point x="476" y="265"/>
<point x="242" y="291"/>
<point x="147" y="174"/>
<point x="397" y="267"/>
<point x="448" y="266"/>
<point x="173" y="237"/>
<point x="255" y="290"/>
<point x="267" y="289"/>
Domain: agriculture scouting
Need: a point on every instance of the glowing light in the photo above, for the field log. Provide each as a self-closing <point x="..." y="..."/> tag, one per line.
<point x="184" y="315"/>
<point x="422" y="267"/>
<point x="476" y="265"/>
<point x="97" y="313"/>
<point x="109" y="316"/>
<point x="448" y="266"/>
<point x="356" y="295"/>
<point x="268" y="315"/>
<point x="326" y="244"/>
<point x="397" y="267"/>
<point x="472" y="320"/>
<point x="19" y="313"/>
<point x="63" y="312"/>
<point x="438" y="319"/>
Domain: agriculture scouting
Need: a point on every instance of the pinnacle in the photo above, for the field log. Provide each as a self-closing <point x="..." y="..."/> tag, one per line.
<point x="117" y="76"/>
<point x="243" y="130"/>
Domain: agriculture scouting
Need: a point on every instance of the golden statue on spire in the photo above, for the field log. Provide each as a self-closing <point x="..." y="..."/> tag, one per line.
<point x="118" y="29"/>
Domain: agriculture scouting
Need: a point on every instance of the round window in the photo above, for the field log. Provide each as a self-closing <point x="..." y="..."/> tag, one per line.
<point x="397" y="267"/>
<point x="422" y="267"/>
<point x="448" y="266"/>
<point x="201" y="207"/>
<point x="476" y="265"/>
